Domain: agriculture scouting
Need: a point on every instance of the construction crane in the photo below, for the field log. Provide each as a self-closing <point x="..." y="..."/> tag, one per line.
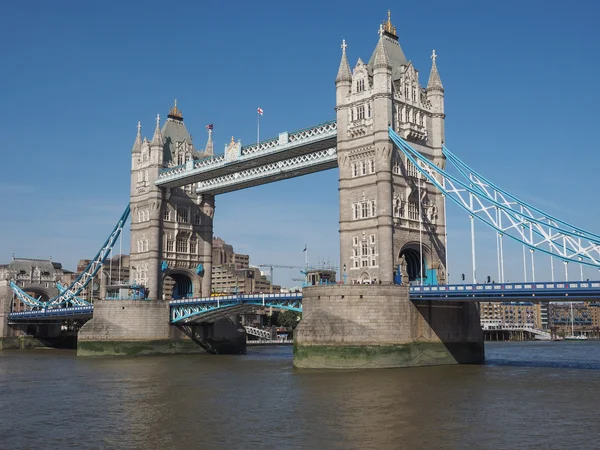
<point x="278" y="266"/>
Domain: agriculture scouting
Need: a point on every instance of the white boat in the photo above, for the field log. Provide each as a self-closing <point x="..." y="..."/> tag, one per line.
<point x="572" y="336"/>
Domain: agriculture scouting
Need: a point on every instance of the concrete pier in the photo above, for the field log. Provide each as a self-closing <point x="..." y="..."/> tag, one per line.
<point x="377" y="326"/>
<point x="142" y="327"/>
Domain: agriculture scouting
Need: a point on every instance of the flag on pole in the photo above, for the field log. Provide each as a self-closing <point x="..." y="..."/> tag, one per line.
<point x="210" y="126"/>
<point x="304" y="248"/>
<point x="260" y="111"/>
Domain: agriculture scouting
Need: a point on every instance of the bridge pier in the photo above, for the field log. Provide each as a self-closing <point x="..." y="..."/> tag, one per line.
<point x="142" y="327"/>
<point x="377" y="326"/>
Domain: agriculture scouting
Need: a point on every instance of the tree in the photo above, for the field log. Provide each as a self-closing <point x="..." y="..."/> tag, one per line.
<point x="288" y="319"/>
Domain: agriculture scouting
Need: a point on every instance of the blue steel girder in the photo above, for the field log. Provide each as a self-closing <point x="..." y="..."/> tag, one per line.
<point x="503" y="212"/>
<point x="182" y="310"/>
<point x="75" y="312"/>
<point x="501" y="292"/>
<point x="269" y="173"/>
<point x="69" y="294"/>
<point x="286" y="146"/>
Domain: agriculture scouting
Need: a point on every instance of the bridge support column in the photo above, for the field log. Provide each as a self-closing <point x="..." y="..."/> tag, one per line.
<point x="8" y="336"/>
<point x="132" y="327"/>
<point x="377" y="326"/>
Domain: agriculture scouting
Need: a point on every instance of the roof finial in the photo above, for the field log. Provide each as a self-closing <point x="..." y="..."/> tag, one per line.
<point x="387" y="25"/>
<point x="380" y="32"/>
<point x="158" y="121"/>
<point x="139" y="127"/>
<point x="344" y="45"/>
<point x="433" y="56"/>
<point x="175" y="112"/>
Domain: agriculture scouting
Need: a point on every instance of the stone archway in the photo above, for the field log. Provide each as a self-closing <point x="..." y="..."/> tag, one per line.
<point x="365" y="278"/>
<point x="40" y="293"/>
<point x="411" y="253"/>
<point x="181" y="283"/>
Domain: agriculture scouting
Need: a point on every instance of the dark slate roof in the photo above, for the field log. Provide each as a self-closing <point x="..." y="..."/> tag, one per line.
<point x="395" y="55"/>
<point x="173" y="131"/>
<point x="26" y="264"/>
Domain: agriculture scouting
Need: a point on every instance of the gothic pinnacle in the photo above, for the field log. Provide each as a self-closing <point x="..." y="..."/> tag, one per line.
<point x="344" y="73"/>
<point x="157" y="138"/>
<point x="137" y="145"/>
<point x="435" y="81"/>
<point x="381" y="56"/>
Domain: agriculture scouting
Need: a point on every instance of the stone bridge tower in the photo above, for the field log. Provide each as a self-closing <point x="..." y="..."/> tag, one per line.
<point x="388" y="213"/>
<point x="171" y="229"/>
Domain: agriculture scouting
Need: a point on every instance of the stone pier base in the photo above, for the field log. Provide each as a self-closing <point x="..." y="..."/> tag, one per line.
<point x="377" y="326"/>
<point x="142" y="327"/>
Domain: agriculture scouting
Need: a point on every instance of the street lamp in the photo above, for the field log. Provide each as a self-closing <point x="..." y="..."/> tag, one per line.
<point x="345" y="276"/>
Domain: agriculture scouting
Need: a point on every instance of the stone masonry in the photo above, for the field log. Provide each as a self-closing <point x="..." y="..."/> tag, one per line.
<point x="380" y="191"/>
<point x="366" y="326"/>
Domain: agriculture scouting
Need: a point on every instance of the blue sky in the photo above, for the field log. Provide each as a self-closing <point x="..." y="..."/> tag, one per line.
<point x="521" y="103"/>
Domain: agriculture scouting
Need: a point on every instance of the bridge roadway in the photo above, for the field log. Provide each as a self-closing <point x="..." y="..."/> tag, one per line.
<point x="289" y="155"/>
<point x="211" y="309"/>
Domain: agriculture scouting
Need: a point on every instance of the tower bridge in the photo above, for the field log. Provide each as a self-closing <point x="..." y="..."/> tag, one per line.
<point x="388" y="144"/>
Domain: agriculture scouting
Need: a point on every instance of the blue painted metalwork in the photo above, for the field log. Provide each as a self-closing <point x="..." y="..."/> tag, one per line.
<point x="568" y="243"/>
<point x="69" y="294"/>
<point x="182" y="310"/>
<point x="164" y="266"/>
<point x="73" y="312"/>
<point x="541" y="291"/>
<point x="200" y="269"/>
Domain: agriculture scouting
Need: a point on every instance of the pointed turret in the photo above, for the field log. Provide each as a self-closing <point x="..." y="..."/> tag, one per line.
<point x="137" y="145"/>
<point x="344" y="73"/>
<point x="435" y="81"/>
<point x="381" y="56"/>
<point x="157" y="139"/>
<point x="209" y="150"/>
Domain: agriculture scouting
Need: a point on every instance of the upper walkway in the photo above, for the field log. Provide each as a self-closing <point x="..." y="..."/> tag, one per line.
<point x="289" y="155"/>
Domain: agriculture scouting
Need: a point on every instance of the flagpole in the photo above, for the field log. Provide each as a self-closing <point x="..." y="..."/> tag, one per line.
<point x="258" y="128"/>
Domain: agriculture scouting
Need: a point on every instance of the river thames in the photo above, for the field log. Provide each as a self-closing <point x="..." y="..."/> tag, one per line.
<point x="527" y="395"/>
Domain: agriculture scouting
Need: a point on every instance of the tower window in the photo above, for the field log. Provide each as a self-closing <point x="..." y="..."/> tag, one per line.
<point x="360" y="85"/>
<point x="181" y="245"/>
<point x="182" y="215"/>
<point x="354" y="170"/>
<point x="363" y="167"/>
<point x="167" y="215"/>
<point x="372" y="166"/>
<point x="365" y="210"/>
<point x="198" y="219"/>
<point x="361" y="112"/>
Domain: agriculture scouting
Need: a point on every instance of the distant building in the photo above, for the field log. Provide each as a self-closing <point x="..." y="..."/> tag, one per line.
<point x="497" y="315"/>
<point x="37" y="277"/>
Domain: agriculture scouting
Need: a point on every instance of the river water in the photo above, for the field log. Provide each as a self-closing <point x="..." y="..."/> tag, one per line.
<point x="528" y="395"/>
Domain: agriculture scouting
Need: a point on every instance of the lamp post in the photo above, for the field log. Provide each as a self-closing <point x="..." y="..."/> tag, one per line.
<point x="345" y="275"/>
